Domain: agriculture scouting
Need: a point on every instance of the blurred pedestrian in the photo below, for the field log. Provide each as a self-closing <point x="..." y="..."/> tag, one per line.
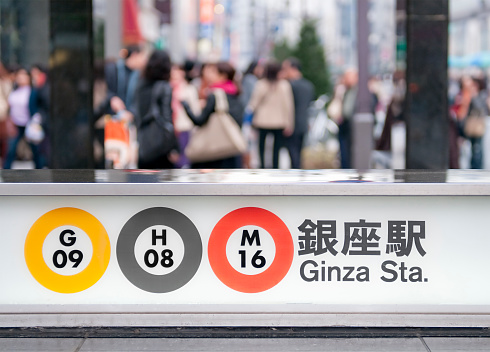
<point x="458" y="112"/>
<point x="475" y="121"/>
<point x="394" y="112"/>
<point x="191" y="70"/>
<point x="154" y="96"/>
<point x="463" y="99"/>
<point x="303" y="94"/>
<point x="5" y="89"/>
<point x="20" y="116"/>
<point x="218" y="76"/>
<point x="249" y="80"/>
<point x="203" y="83"/>
<point x="349" y="105"/>
<point x="122" y="79"/>
<point x="272" y="104"/>
<point x="39" y="103"/>
<point x="99" y="112"/>
<point x="183" y="91"/>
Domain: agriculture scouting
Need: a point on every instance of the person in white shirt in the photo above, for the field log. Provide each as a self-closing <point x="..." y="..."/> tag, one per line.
<point x="20" y="115"/>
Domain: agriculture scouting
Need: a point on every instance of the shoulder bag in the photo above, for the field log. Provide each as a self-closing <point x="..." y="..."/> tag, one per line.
<point x="220" y="138"/>
<point x="156" y="136"/>
<point x="475" y="125"/>
<point x="34" y="132"/>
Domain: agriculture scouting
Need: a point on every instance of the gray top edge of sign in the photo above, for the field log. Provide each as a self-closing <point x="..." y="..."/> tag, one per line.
<point x="253" y="189"/>
<point x="252" y="309"/>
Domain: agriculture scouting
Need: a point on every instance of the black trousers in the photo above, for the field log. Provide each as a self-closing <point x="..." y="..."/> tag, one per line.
<point x="294" y="144"/>
<point x="278" y="144"/>
<point x="234" y="162"/>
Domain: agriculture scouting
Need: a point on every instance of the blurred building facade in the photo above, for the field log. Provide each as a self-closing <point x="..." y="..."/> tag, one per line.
<point x="191" y="29"/>
<point x="235" y="30"/>
<point x="342" y="35"/>
<point x="24" y="32"/>
<point x="337" y="25"/>
<point x="382" y="39"/>
<point x="243" y="30"/>
<point x="469" y="32"/>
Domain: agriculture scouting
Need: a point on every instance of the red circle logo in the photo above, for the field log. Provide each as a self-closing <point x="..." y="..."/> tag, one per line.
<point x="245" y="217"/>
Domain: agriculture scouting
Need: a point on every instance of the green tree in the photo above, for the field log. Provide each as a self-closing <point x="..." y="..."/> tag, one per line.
<point x="311" y="54"/>
<point x="283" y="50"/>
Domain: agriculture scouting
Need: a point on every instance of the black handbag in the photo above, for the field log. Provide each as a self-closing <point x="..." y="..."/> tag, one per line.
<point x="156" y="135"/>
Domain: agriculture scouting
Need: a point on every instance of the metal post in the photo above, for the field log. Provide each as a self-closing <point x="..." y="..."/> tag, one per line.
<point x="427" y="81"/>
<point x="71" y="76"/>
<point x="362" y="136"/>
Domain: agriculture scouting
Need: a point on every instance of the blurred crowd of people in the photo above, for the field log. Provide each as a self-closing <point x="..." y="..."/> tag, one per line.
<point x="469" y="110"/>
<point x="268" y="102"/>
<point x="149" y="113"/>
<point x="24" y="110"/>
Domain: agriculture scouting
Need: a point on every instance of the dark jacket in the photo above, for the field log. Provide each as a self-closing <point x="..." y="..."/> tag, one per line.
<point x="143" y="103"/>
<point x="303" y="93"/>
<point x="39" y="103"/>
<point x="478" y="105"/>
<point x="143" y="97"/>
<point x="121" y="82"/>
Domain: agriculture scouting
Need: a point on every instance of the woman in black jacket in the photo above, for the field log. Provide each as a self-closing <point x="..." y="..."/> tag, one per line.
<point x="219" y="76"/>
<point x="154" y="88"/>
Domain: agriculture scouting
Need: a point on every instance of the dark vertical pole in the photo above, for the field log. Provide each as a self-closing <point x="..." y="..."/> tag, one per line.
<point x="362" y="128"/>
<point x="71" y="66"/>
<point x="427" y="80"/>
<point x="363" y="96"/>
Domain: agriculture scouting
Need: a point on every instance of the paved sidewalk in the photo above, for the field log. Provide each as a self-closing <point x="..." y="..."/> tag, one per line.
<point x="263" y="345"/>
<point x="237" y="339"/>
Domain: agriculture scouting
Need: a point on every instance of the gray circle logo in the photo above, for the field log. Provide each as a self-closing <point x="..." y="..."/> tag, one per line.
<point x="177" y="278"/>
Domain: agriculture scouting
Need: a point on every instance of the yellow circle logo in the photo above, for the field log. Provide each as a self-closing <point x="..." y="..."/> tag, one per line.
<point x="59" y="263"/>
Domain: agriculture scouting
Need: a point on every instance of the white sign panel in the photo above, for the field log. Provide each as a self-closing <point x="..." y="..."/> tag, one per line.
<point x="211" y="254"/>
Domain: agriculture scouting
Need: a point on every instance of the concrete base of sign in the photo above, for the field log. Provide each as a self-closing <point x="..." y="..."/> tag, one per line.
<point x="251" y="320"/>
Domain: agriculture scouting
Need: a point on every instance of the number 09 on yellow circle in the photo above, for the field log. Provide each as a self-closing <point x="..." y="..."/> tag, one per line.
<point x="68" y="267"/>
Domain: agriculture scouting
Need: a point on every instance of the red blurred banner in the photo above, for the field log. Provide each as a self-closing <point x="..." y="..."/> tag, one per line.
<point x="131" y="28"/>
<point x="206" y="11"/>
